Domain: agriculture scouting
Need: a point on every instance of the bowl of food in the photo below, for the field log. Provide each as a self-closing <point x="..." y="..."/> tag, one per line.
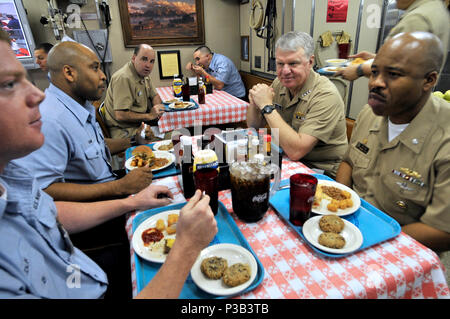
<point x="336" y="62"/>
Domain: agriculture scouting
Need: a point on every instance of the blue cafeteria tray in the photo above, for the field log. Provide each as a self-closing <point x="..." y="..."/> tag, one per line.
<point x="168" y="171"/>
<point x="168" y="109"/>
<point x="228" y="233"/>
<point x="374" y="225"/>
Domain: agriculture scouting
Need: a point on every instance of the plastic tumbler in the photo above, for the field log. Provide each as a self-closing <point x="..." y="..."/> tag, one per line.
<point x="302" y="191"/>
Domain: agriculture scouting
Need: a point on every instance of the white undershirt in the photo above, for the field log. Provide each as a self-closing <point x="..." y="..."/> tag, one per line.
<point x="395" y="130"/>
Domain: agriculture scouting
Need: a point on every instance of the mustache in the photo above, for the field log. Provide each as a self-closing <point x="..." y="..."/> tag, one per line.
<point x="377" y="91"/>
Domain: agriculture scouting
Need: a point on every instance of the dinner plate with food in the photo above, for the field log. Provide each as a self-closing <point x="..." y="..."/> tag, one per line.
<point x="143" y="156"/>
<point x="224" y="269"/>
<point x="335" y="198"/>
<point x="166" y="145"/>
<point x="181" y="105"/>
<point x="332" y="234"/>
<point x="175" y="99"/>
<point x="154" y="237"/>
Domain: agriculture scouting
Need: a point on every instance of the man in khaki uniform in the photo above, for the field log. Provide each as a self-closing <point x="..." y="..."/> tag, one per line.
<point x="420" y="15"/>
<point x="398" y="157"/>
<point x="131" y="98"/>
<point x="310" y="112"/>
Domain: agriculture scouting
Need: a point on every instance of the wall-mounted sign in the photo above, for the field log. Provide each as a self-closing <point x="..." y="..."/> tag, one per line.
<point x="337" y="10"/>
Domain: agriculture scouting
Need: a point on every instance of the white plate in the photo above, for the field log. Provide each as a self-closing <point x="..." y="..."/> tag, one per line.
<point x="157" y="145"/>
<point x="233" y="254"/>
<point x="322" y="208"/>
<point x="335" y="62"/>
<point x="158" y="154"/>
<point x="332" y="69"/>
<point x="157" y="255"/>
<point x="171" y="100"/>
<point x="186" y="105"/>
<point x="351" y="233"/>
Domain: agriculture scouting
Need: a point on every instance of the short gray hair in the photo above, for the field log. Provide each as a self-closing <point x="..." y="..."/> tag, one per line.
<point x="294" y="40"/>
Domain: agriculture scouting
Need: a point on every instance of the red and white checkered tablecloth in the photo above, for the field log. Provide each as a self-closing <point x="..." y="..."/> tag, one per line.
<point x="220" y="108"/>
<point x="397" y="268"/>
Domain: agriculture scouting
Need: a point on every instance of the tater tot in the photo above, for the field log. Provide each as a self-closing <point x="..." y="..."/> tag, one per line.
<point x="160" y="225"/>
<point x="332" y="207"/>
<point x="172" y="219"/>
<point x="343" y="204"/>
<point x="172" y="229"/>
<point x="349" y="202"/>
<point x="346" y="194"/>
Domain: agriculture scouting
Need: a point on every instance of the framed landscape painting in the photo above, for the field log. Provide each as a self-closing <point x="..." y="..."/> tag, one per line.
<point x="162" y="22"/>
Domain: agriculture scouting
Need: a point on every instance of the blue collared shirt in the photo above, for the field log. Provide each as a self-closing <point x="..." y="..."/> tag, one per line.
<point x="37" y="258"/>
<point x="223" y="69"/>
<point x="74" y="149"/>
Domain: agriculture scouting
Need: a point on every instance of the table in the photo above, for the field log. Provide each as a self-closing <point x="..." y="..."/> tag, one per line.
<point x="220" y="108"/>
<point x="397" y="268"/>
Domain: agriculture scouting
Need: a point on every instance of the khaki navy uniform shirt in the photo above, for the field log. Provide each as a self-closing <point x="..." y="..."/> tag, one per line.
<point x="409" y="177"/>
<point x="426" y="15"/>
<point x="127" y="91"/>
<point x="317" y="110"/>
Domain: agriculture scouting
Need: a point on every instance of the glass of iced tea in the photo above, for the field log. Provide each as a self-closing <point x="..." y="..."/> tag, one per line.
<point x="302" y="191"/>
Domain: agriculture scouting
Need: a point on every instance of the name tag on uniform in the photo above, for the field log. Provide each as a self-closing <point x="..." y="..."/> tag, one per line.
<point x="363" y="148"/>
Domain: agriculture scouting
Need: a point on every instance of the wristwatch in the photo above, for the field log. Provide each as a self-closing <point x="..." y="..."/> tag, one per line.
<point x="267" y="109"/>
<point x="359" y="70"/>
<point x="133" y="141"/>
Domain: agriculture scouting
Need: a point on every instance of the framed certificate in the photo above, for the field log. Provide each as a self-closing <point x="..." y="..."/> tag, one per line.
<point x="169" y="64"/>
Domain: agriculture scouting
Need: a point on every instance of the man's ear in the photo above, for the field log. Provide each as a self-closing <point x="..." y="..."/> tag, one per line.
<point x="430" y="80"/>
<point x="69" y="73"/>
<point x="311" y="59"/>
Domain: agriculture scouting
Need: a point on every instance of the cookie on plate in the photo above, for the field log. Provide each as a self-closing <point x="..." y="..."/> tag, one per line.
<point x="236" y="275"/>
<point x="331" y="223"/>
<point x="214" y="267"/>
<point x="331" y="240"/>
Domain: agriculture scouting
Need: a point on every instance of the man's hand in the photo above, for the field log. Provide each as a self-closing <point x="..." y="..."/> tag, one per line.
<point x="144" y="135"/>
<point x="196" y="226"/>
<point x="152" y="196"/>
<point x="348" y="73"/>
<point x="363" y="55"/>
<point x="199" y="70"/>
<point x="261" y="95"/>
<point x="135" y="181"/>
<point x="157" y="111"/>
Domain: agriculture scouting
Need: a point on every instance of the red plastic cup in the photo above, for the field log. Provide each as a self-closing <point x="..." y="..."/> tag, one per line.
<point x="207" y="180"/>
<point x="302" y="191"/>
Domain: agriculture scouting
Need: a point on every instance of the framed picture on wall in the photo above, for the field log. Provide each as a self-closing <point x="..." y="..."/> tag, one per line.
<point x="169" y="64"/>
<point x="244" y="48"/>
<point x="162" y="23"/>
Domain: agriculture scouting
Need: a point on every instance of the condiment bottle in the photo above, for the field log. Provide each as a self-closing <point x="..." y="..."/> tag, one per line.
<point x="267" y="144"/>
<point x="201" y="92"/>
<point x="177" y="83"/>
<point x="187" y="163"/>
<point x="185" y="90"/>
<point x="241" y="152"/>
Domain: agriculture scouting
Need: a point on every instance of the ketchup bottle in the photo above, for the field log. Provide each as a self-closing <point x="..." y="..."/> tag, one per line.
<point x="201" y="92"/>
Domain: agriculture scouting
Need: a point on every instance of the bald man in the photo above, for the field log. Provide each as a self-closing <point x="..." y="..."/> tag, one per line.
<point x="131" y="97"/>
<point x="74" y="162"/>
<point x="398" y="157"/>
